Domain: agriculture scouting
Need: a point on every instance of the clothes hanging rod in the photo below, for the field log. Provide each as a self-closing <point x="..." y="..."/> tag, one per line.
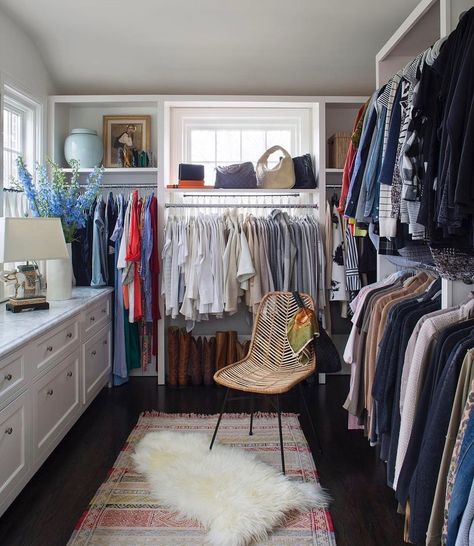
<point x="240" y="205"/>
<point x="126" y="186"/>
<point x="225" y="196"/>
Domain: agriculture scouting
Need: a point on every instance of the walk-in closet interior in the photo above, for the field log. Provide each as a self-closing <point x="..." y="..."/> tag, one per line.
<point x="236" y="273"/>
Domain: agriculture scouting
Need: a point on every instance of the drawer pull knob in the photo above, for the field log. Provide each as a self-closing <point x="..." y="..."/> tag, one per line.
<point x="94" y="353"/>
<point x="92" y="318"/>
<point x="49" y="348"/>
<point x="9" y="430"/>
<point x="105" y="342"/>
<point x="69" y="374"/>
<point x="8" y="377"/>
<point x="104" y="310"/>
<point x="69" y="335"/>
<point x="50" y="392"/>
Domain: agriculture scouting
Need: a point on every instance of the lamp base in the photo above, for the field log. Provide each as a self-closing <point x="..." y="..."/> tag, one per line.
<point x="17" y="305"/>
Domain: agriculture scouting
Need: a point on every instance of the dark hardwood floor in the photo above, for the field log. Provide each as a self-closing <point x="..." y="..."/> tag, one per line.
<point x="44" y="514"/>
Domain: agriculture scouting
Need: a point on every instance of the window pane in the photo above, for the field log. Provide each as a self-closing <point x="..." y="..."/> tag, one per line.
<point x="16" y="132"/>
<point x="12" y="130"/>
<point x="253" y="145"/>
<point x="9" y="167"/>
<point x="7" y="117"/>
<point x="228" y="146"/>
<point x="203" y="145"/>
<point x="280" y="137"/>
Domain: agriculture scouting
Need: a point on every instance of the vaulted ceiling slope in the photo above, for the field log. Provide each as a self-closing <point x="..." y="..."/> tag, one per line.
<point x="300" y="47"/>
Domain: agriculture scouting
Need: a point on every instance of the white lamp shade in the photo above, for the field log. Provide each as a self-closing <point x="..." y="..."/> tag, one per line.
<point x="23" y="239"/>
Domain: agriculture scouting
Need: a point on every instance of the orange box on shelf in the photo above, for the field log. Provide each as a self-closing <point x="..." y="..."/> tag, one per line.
<point x="191" y="184"/>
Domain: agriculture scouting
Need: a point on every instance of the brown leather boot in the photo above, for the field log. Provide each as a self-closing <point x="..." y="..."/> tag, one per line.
<point x="184" y="350"/>
<point x="173" y="356"/>
<point x="231" y="347"/>
<point x="209" y="360"/>
<point x="195" y="362"/>
<point x="221" y="349"/>
<point x="199" y="348"/>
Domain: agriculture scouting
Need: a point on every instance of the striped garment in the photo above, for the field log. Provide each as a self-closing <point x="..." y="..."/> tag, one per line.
<point x="352" y="261"/>
<point x="410" y="79"/>
<point x="388" y="227"/>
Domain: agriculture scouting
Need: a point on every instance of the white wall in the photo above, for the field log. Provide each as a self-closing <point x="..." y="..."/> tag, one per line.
<point x="458" y="7"/>
<point x="20" y="62"/>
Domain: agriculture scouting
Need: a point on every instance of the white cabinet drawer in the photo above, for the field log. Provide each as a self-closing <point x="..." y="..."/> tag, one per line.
<point x="12" y="375"/>
<point x="96" y="317"/>
<point x="50" y="347"/>
<point x="14" y="448"/>
<point x="56" y="403"/>
<point x="96" y="363"/>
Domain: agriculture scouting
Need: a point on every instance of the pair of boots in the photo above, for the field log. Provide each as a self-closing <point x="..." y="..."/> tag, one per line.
<point x="189" y="354"/>
<point x="202" y="363"/>
<point x="229" y="349"/>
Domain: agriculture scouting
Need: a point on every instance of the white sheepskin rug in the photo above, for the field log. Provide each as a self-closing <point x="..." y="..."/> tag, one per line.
<point x="236" y="497"/>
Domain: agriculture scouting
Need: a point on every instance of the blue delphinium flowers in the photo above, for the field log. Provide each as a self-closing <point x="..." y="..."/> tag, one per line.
<point x="59" y="197"/>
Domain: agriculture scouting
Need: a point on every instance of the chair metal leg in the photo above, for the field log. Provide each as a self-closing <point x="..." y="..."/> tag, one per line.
<point x="252" y="405"/>
<point x="308" y="415"/>
<point x="281" y="434"/>
<point x="220" y="417"/>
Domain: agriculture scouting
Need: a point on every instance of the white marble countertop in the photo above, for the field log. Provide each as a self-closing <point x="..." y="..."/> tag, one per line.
<point x="17" y="329"/>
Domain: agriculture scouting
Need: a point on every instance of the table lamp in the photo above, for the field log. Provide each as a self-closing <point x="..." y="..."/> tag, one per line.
<point x="29" y="239"/>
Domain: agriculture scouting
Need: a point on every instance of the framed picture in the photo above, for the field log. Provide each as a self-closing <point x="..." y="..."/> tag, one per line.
<point x="125" y="137"/>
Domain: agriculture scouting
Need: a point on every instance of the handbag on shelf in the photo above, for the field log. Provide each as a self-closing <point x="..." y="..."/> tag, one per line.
<point x="304" y="174"/>
<point x="239" y="176"/>
<point x="189" y="171"/>
<point x="327" y="355"/>
<point x="282" y="176"/>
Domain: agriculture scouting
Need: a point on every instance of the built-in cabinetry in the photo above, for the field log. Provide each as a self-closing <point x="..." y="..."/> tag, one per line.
<point x="52" y="365"/>
<point x="326" y="115"/>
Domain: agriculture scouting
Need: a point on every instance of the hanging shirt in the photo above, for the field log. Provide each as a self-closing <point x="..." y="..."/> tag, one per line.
<point x="99" y="247"/>
<point x="122" y="264"/>
<point x="133" y="258"/>
<point x="146" y="252"/>
<point x="120" y="370"/>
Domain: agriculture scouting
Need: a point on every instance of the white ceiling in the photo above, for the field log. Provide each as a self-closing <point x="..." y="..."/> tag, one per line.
<point x="294" y="47"/>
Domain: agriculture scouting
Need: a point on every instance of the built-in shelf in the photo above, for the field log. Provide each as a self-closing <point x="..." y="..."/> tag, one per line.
<point x="257" y="191"/>
<point x="334" y="171"/>
<point x="120" y="170"/>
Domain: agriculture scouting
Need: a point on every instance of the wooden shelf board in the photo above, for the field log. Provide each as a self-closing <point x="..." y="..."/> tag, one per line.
<point x="120" y="170"/>
<point x="258" y="191"/>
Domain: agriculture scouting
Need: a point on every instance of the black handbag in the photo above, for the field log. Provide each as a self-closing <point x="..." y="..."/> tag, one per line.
<point x="239" y="176"/>
<point x="327" y="355"/>
<point x="304" y="174"/>
<point x="188" y="171"/>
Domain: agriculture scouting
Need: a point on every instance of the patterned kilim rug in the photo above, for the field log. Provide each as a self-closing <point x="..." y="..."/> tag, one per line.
<point x="123" y="513"/>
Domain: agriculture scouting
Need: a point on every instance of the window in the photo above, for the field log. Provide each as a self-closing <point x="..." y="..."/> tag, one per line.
<point x="224" y="136"/>
<point x="20" y="132"/>
<point x="21" y="136"/>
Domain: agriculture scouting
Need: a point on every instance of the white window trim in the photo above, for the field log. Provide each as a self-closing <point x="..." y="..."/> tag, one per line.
<point x="297" y="119"/>
<point x="18" y="99"/>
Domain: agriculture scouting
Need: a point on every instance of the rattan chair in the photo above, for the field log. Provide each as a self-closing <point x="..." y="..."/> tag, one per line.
<point x="270" y="367"/>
